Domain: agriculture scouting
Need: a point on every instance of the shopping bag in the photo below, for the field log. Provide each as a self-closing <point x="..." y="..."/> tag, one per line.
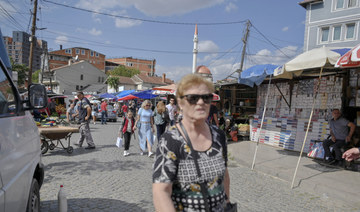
<point x="119" y="142"/>
<point x="231" y="207"/>
<point x="154" y="138"/>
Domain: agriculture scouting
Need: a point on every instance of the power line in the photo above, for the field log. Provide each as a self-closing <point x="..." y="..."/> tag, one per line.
<point x="141" y="19"/>
<point x="270" y="42"/>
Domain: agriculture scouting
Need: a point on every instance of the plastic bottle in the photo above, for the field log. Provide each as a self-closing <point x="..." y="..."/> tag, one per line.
<point x="62" y="201"/>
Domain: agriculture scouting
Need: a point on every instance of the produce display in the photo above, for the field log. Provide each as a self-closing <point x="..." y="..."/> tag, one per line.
<point x="244" y="127"/>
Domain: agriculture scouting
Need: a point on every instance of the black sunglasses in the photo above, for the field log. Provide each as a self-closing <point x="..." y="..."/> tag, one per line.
<point x="194" y="98"/>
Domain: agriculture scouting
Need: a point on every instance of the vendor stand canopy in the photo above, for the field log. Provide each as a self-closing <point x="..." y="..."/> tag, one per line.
<point x="350" y="59"/>
<point x="322" y="57"/>
<point x="146" y="94"/>
<point x="124" y="93"/>
<point x="256" y="74"/>
<point x="128" y="97"/>
<point x="107" y="96"/>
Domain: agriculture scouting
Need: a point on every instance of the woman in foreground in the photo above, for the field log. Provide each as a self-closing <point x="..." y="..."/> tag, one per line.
<point x="176" y="183"/>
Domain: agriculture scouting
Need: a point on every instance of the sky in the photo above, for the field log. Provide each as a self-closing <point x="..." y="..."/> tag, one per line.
<point x="164" y="30"/>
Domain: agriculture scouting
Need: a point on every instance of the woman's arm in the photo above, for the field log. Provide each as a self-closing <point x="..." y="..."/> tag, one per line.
<point x="162" y="197"/>
<point x="136" y="121"/>
<point x="227" y="185"/>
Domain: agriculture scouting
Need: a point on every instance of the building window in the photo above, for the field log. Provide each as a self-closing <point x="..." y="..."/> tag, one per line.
<point x="81" y="87"/>
<point x="350" y="31"/>
<point x="68" y="51"/>
<point x="81" y="77"/>
<point x="339" y="4"/>
<point x="129" y="64"/>
<point x="99" y="79"/>
<point x="77" y="87"/>
<point x="337" y="33"/>
<point x="92" y="53"/>
<point x="150" y="66"/>
<point x="324" y="34"/>
<point x="102" y="79"/>
<point x="83" y="51"/>
<point x="97" y="54"/>
<point x="77" y="51"/>
<point x="351" y="3"/>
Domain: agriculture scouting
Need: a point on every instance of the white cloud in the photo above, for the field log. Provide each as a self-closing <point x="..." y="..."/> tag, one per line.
<point x="62" y="39"/>
<point x="125" y="23"/>
<point x="150" y="7"/>
<point x="173" y="73"/>
<point x="95" y="32"/>
<point x="230" y="7"/>
<point x="285" y="29"/>
<point x="208" y="46"/>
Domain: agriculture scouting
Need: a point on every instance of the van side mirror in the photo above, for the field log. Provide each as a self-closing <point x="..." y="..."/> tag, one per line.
<point x="37" y="96"/>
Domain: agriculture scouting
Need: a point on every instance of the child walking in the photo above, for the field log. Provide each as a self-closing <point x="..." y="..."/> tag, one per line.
<point x="126" y="130"/>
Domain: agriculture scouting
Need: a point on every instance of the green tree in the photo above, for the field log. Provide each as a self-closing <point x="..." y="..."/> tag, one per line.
<point x="35" y="76"/>
<point x="113" y="82"/>
<point x="124" y="71"/>
<point x="22" y="72"/>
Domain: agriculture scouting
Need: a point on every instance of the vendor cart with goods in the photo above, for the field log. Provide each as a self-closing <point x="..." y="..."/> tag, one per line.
<point x="53" y="131"/>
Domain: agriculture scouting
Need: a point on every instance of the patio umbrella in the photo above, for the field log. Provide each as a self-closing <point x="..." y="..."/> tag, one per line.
<point x="315" y="58"/>
<point x="350" y="59"/>
<point x="128" y="97"/>
<point x="147" y="94"/>
<point x="256" y="74"/>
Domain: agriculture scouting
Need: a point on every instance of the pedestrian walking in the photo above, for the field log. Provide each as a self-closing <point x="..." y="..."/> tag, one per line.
<point x="94" y="112"/>
<point x="126" y="130"/>
<point x="190" y="170"/>
<point x="84" y="112"/>
<point x="103" y="108"/>
<point x="145" y="124"/>
<point x="71" y="113"/>
<point x="172" y="111"/>
<point x="161" y="118"/>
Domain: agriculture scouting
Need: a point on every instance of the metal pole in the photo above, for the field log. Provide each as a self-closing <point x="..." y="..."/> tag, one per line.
<point x="248" y="24"/>
<point x="261" y="125"/>
<point x="307" y="129"/>
<point x="32" y="43"/>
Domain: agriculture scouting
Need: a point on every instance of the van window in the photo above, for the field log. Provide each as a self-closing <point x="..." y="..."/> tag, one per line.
<point x="7" y="97"/>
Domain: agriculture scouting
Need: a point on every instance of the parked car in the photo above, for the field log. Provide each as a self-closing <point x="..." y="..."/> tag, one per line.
<point x="111" y="114"/>
<point x="21" y="169"/>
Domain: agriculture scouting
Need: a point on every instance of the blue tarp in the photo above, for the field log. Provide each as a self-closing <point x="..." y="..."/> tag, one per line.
<point x="341" y="51"/>
<point x="124" y="93"/>
<point x="256" y="74"/>
<point x="147" y="94"/>
<point x="107" y="96"/>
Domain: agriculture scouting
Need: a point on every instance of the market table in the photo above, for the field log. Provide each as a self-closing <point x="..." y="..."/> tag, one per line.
<point x="55" y="133"/>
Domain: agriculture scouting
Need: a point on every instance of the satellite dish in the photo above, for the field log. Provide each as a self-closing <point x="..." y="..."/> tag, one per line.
<point x="76" y="57"/>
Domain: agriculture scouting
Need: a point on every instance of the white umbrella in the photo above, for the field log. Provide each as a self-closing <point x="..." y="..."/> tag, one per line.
<point x="315" y="58"/>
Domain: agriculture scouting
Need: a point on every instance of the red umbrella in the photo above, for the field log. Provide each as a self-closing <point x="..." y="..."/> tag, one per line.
<point x="128" y="97"/>
<point x="350" y="59"/>
<point x="216" y="97"/>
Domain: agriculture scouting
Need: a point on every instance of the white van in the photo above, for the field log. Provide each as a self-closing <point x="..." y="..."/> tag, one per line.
<point x="21" y="169"/>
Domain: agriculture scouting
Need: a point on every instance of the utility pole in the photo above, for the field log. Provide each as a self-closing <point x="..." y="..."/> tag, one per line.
<point x="32" y="42"/>
<point x="248" y="25"/>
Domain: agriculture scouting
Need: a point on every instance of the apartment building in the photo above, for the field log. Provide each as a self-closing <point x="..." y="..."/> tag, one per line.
<point x="331" y="23"/>
<point x="61" y="57"/>
<point x="18" y="48"/>
<point x="144" y="66"/>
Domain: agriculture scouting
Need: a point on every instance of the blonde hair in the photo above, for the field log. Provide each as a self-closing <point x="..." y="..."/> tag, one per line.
<point x="143" y="105"/>
<point x="160" y="107"/>
<point x="192" y="80"/>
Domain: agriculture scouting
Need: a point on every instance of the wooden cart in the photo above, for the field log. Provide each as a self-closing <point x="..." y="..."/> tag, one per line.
<point x="51" y="137"/>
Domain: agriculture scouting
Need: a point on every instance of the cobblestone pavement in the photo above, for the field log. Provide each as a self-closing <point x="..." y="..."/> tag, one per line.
<point x="104" y="180"/>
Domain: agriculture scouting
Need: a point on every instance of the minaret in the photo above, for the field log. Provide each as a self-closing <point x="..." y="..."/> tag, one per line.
<point x="195" y="50"/>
